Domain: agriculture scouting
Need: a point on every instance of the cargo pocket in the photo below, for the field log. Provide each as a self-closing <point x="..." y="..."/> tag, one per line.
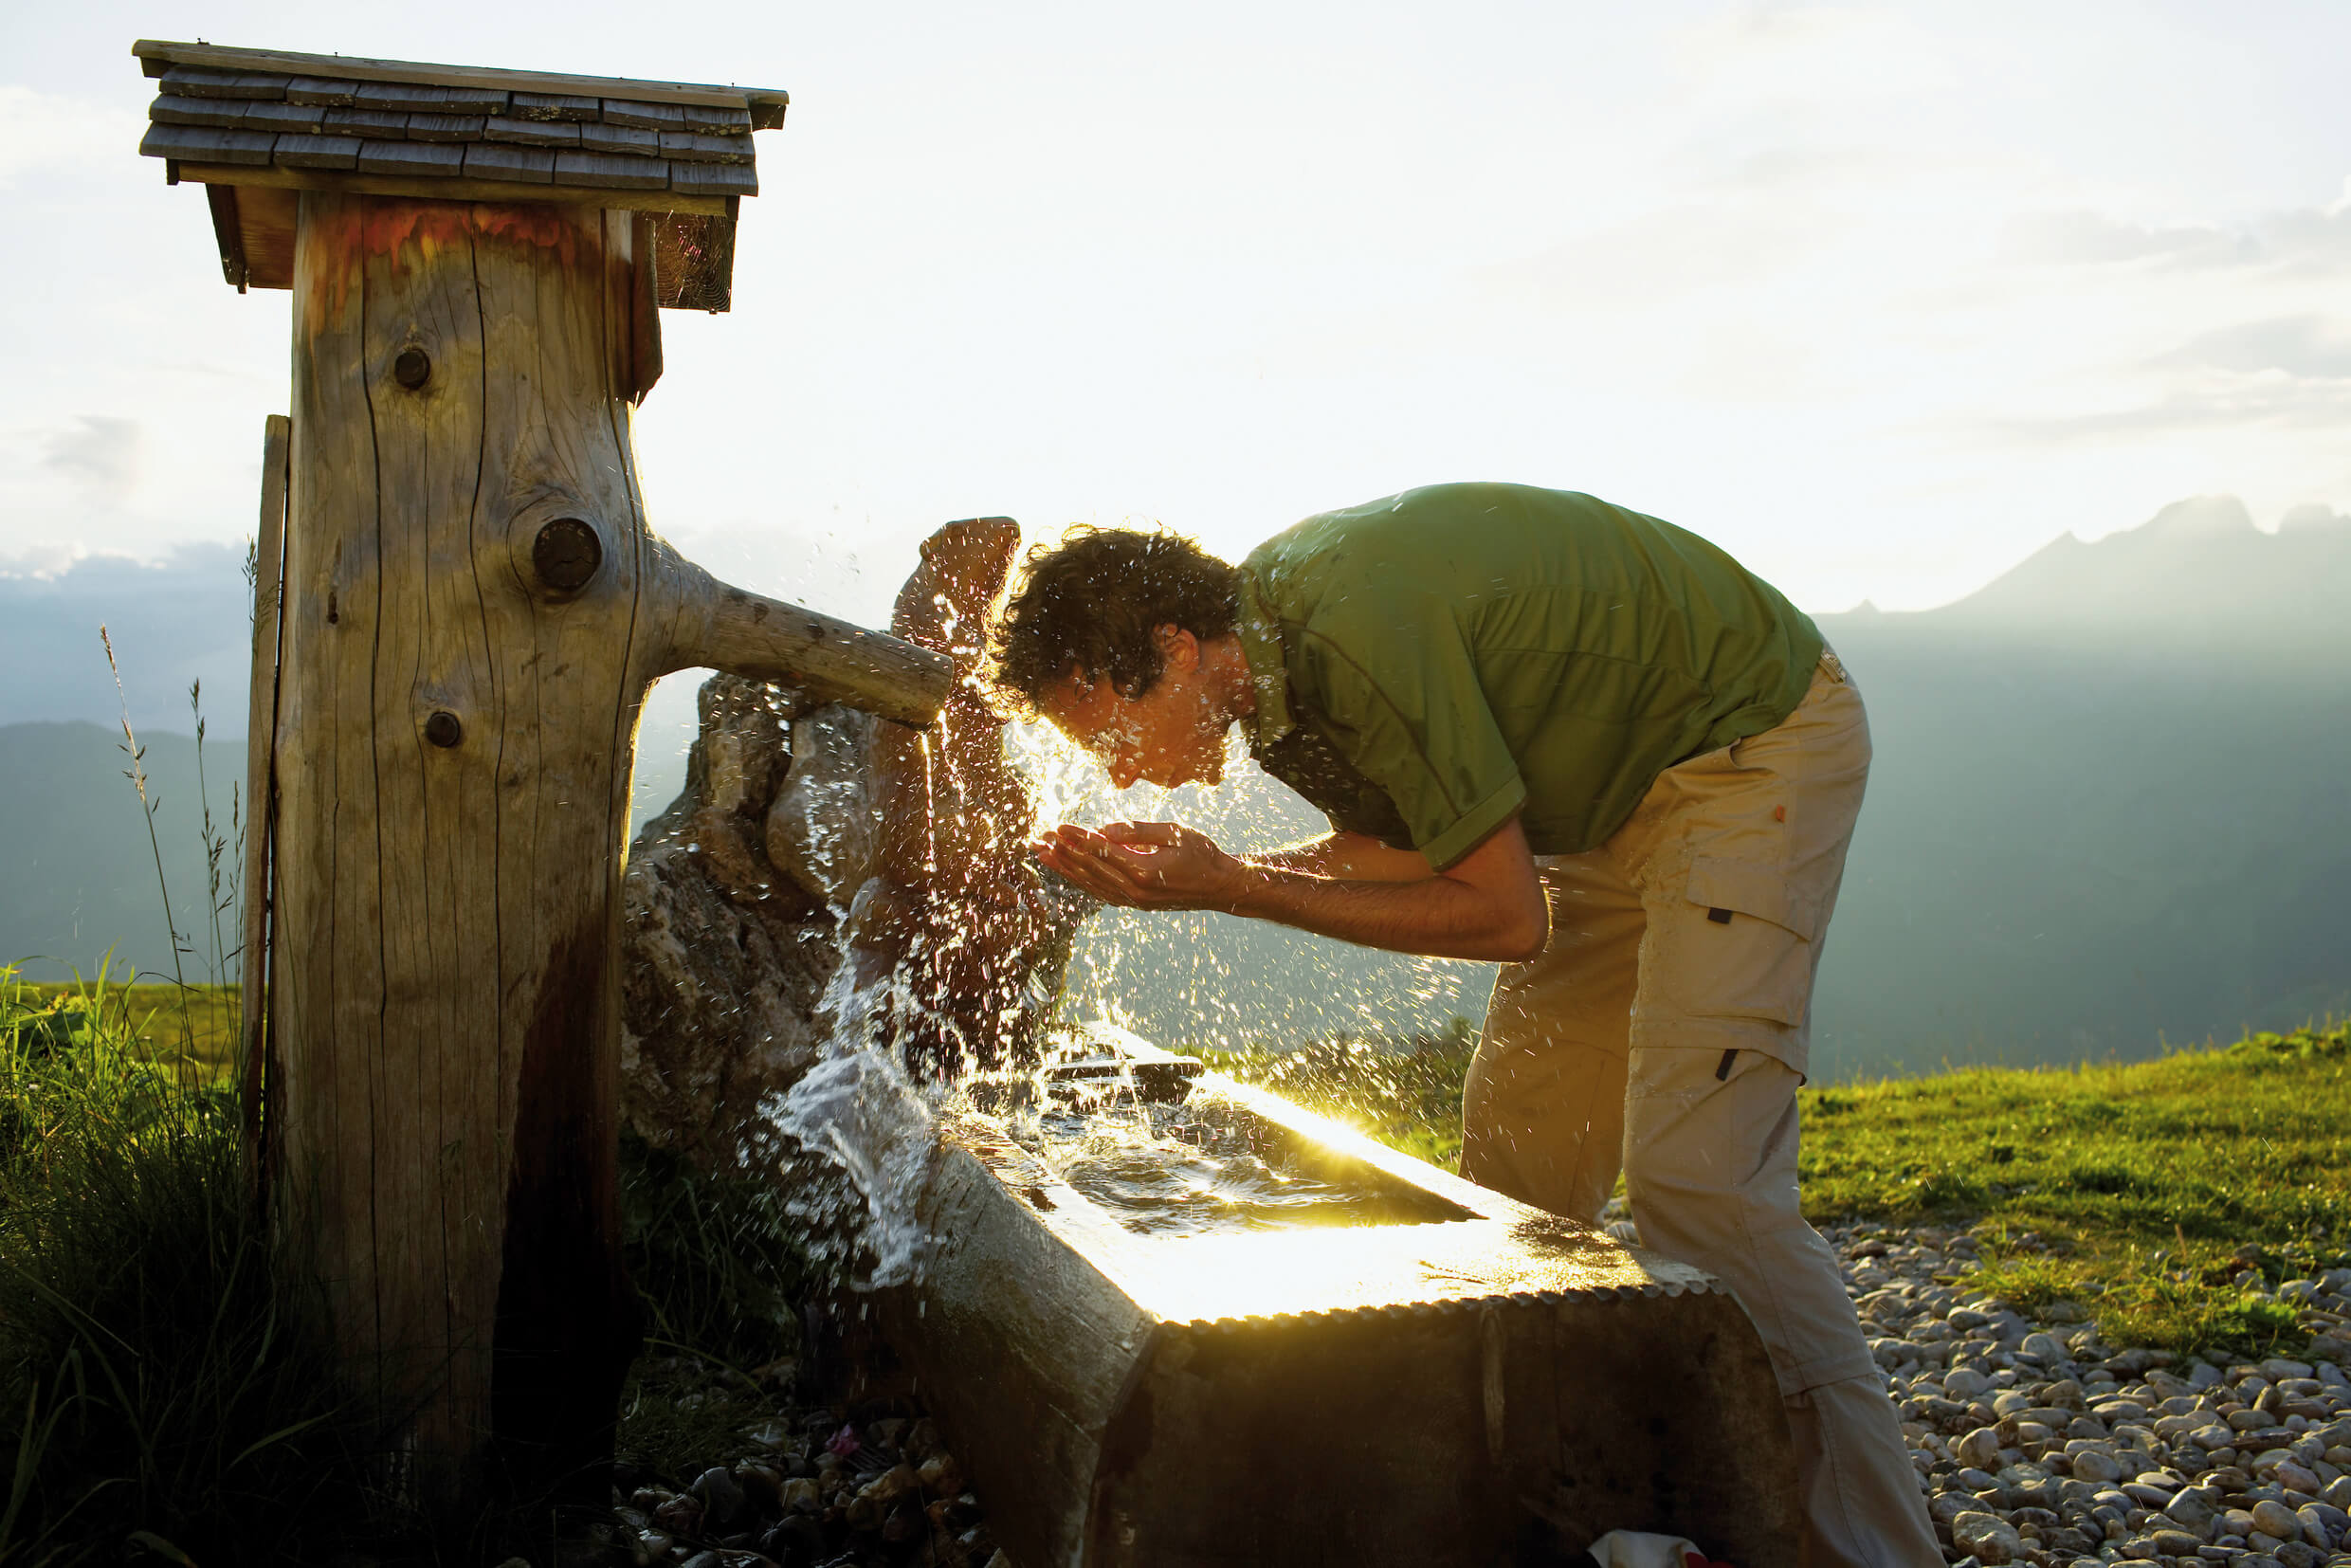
<point x="1743" y="944"/>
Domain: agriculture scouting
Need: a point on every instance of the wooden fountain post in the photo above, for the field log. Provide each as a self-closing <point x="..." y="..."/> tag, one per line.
<point x="473" y="608"/>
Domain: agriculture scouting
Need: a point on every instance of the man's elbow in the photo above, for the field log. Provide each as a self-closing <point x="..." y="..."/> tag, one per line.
<point x="1522" y="940"/>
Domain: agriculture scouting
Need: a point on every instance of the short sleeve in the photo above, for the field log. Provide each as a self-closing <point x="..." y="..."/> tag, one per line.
<point x="1398" y="691"/>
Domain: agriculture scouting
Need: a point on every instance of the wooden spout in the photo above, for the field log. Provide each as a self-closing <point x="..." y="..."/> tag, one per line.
<point x="718" y="625"/>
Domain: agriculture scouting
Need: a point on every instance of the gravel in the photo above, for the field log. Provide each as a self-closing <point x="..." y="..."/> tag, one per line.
<point x="2038" y="1443"/>
<point x="812" y="1488"/>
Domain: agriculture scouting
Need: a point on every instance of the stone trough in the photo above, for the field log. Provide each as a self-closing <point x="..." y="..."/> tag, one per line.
<point x="1400" y="1368"/>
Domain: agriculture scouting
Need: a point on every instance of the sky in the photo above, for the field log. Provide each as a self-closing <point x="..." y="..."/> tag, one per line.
<point x="1881" y="298"/>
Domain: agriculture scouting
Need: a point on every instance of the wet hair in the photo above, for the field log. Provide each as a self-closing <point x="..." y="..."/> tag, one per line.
<point x="1091" y="606"/>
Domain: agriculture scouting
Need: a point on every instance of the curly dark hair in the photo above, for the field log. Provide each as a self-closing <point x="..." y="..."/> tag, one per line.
<point x="1091" y="606"/>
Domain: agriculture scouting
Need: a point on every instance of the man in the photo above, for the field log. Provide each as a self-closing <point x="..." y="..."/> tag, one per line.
<point x="1560" y="735"/>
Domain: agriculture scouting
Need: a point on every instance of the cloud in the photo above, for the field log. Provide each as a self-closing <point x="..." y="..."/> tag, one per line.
<point x="60" y="136"/>
<point x="2226" y="403"/>
<point x="2306" y="241"/>
<point x="102" y="451"/>
<point x="2078" y="238"/>
<point x="2301" y="346"/>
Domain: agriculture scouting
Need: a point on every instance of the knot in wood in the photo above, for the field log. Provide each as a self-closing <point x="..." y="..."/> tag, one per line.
<point x="414" y="368"/>
<point x="444" y="730"/>
<point x="566" y="554"/>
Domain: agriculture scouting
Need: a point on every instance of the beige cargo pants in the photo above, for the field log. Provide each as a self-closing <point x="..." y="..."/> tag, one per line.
<point x="1665" y="1030"/>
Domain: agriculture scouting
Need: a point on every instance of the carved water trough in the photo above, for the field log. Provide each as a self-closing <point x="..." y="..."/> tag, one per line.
<point x="1426" y="1372"/>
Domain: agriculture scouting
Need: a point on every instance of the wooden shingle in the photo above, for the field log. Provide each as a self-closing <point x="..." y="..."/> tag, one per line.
<point x="222" y="114"/>
<point x="429" y="99"/>
<point x="411" y="158"/>
<point x="556" y="106"/>
<point x="321" y="90"/>
<point x="462" y="128"/>
<point x="302" y="118"/>
<point x="620" y="138"/>
<point x="646" y="117"/>
<point x="195" y="82"/>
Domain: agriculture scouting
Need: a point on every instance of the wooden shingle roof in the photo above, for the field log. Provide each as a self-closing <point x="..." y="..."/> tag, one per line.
<point x="255" y="126"/>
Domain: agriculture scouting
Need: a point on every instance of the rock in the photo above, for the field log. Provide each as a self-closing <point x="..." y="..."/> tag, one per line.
<point x="2045" y="1348"/>
<point x="801" y="1495"/>
<point x="722" y="1497"/>
<point x="2175" y="1543"/>
<point x="2090" y="1465"/>
<point x="2322" y="1518"/>
<point x="723" y="958"/>
<point x="2296" y="1479"/>
<point x="941" y="1475"/>
<point x="1980" y="1449"/>
<point x="796" y="1539"/>
<point x="2297" y="1554"/>
<point x="897" y="1482"/>
<point x="2275" y="1519"/>
<point x="760" y="1484"/>
<point x="2337" y="1493"/>
<point x="679" y="1516"/>
<point x="2192" y="1510"/>
<point x="821" y="830"/>
<point x="1964" y="1383"/>
<point x="1991" y="1538"/>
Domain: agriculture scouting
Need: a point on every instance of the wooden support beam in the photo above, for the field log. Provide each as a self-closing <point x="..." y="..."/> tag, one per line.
<point x="261" y="802"/>
<point x="474" y="609"/>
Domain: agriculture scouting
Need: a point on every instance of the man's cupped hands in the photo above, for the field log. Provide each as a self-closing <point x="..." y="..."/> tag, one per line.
<point x="1145" y="864"/>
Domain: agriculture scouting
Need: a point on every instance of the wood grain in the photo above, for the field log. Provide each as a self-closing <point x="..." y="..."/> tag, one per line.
<point x="260" y="799"/>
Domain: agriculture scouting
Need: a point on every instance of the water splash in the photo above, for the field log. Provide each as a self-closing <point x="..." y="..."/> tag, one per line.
<point x="872" y="1124"/>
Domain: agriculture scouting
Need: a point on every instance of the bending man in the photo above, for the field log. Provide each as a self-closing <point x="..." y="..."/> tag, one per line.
<point x="1554" y="733"/>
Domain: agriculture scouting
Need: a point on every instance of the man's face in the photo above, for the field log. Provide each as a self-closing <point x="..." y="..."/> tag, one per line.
<point x="1172" y="734"/>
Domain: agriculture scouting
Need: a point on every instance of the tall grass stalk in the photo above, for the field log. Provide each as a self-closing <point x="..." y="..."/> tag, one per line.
<point x="136" y="774"/>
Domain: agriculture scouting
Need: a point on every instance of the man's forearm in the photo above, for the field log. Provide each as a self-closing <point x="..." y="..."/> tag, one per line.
<point x="1350" y="857"/>
<point x="1435" y="916"/>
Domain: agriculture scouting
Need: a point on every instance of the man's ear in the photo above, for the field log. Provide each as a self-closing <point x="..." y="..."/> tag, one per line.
<point x="1178" y="648"/>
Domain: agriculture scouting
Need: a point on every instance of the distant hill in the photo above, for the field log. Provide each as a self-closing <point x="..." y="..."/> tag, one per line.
<point x="76" y="866"/>
<point x="2108" y="807"/>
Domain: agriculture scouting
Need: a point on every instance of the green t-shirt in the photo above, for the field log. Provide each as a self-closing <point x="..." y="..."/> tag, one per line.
<point x="1429" y="662"/>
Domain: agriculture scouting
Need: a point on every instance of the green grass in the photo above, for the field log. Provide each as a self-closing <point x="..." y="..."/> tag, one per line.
<point x="2140" y="1189"/>
<point x="195" y="1028"/>
<point x="2131" y="1187"/>
<point x="168" y="1386"/>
